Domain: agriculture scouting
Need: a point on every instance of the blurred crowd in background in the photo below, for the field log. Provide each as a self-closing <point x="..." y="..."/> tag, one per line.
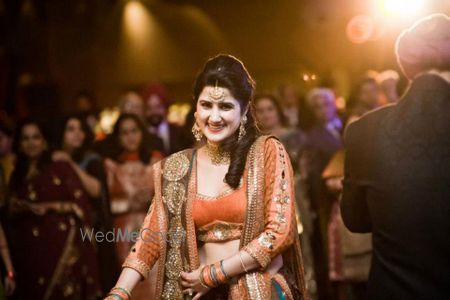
<point x="92" y="169"/>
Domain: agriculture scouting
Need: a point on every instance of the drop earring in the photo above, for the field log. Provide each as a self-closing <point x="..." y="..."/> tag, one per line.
<point x="197" y="132"/>
<point x="242" y="130"/>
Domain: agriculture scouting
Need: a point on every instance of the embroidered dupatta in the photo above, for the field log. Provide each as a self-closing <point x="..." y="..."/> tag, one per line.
<point x="168" y="234"/>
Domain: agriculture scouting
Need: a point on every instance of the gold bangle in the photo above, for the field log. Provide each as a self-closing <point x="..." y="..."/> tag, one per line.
<point x="242" y="263"/>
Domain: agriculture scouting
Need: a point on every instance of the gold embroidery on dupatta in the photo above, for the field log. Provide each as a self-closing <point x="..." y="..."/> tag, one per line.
<point x="282" y="198"/>
<point x="162" y="227"/>
<point x="174" y="195"/>
<point x="63" y="263"/>
<point x="194" y="261"/>
<point x="255" y="284"/>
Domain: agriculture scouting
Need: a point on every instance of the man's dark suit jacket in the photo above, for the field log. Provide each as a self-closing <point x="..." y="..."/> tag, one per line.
<point x="397" y="186"/>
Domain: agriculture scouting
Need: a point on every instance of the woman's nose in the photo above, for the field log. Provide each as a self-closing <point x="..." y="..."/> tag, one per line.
<point x="215" y="115"/>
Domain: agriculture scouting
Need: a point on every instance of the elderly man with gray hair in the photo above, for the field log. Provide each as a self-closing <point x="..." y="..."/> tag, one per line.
<point x="397" y="173"/>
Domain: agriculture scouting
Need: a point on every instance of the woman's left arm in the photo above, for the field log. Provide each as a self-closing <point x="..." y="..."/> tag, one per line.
<point x="279" y="206"/>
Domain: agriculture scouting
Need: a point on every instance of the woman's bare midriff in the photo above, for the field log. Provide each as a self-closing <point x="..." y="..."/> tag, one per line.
<point x="211" y="253"/>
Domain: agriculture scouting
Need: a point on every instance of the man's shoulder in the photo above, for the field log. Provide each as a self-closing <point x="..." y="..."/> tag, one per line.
<point x="372" y="118"/>
<point x="365" y="127"/>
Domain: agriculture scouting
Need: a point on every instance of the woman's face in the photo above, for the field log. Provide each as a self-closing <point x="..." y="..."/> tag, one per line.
<point x="267" y="115"/>
<point x="130" y="135"/>
<point x="324" y="108"/>
<point x="217" y="119"/>
<point x="32" y="142"/>
<point x="73" y="135"/>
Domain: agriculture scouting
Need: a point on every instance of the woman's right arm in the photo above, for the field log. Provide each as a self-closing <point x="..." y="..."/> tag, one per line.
<point x="127" y="280"/>
<point x="143" y="254"/>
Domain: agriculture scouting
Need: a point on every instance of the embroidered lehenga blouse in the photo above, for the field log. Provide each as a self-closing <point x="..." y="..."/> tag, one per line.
<point x="260" y="213"/>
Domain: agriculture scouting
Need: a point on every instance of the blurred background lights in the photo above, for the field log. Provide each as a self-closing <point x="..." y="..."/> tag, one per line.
<point x="136" y="19"/>
<point x="360" y="29"/>
<point x="403" y="7"/>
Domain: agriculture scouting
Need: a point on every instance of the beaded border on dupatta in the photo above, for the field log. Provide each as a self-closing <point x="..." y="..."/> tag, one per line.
<point x="257" y="285"/>
<point x="175" y="169"/>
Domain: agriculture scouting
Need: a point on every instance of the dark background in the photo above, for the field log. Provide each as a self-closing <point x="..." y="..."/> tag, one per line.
<point x="50" y="49"/>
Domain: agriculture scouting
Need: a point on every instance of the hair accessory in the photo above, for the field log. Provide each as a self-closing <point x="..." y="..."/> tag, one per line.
<point x="217" y="94"/>
<point x="242" y="130"/>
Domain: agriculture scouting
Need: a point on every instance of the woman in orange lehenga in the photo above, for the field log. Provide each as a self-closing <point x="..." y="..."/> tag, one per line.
<point x="222" y="222"/>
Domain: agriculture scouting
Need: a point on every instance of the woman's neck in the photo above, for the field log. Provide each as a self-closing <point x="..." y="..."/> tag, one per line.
<point x="216" y="154"/>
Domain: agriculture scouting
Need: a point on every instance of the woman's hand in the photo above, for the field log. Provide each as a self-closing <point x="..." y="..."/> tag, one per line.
<point x="39" y="209"/>
<point x="61" y="156"/>
<point x="191" y="283"/>
<point x="10" y="286"/>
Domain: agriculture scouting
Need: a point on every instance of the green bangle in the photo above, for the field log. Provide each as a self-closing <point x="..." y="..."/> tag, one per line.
<point x="115" y="296"/>
<point x="223" y="270"/>
<point x="212" y="272"/>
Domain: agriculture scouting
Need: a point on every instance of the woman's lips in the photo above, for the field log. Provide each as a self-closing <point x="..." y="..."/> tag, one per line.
<point x="215" y="128"/>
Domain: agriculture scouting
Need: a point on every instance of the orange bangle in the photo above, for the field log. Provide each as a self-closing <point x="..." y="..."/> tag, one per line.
<point x="121" y="293"/>
<point x="221" y="275"/>
<point x="206" y="276"/>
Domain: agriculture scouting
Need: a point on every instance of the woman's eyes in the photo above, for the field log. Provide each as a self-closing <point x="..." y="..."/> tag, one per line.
<point x="206" y="105"/>
<point x="223" y="106"/>
<point x="226" y="106"/>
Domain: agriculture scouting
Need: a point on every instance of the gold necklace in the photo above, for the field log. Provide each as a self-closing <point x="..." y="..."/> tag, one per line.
<point x="218" y="156"/>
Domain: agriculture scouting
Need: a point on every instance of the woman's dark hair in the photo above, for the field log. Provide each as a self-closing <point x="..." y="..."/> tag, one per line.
<point x="22" y="162"/>
<point x="79" y="153"/>
<point x="85" y="93"/>
<point x="228" y="72"/>
<point x="145" y="148"/>
<point x="276" y="103"/>
<point x="5" y="129"/>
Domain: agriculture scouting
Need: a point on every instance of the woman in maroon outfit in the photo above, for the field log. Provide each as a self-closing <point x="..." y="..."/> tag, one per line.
<point x="48" y="211"/>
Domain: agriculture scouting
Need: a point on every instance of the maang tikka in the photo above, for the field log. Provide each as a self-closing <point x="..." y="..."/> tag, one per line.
<point x="217" y="93"/>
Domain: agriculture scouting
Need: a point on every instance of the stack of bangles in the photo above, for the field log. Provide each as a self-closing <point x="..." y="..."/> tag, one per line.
<point x="118" y="293"/>
<point x="211" y="276"/>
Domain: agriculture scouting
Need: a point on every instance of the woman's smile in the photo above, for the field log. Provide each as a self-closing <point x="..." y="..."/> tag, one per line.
<point x="215" y="128"/>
